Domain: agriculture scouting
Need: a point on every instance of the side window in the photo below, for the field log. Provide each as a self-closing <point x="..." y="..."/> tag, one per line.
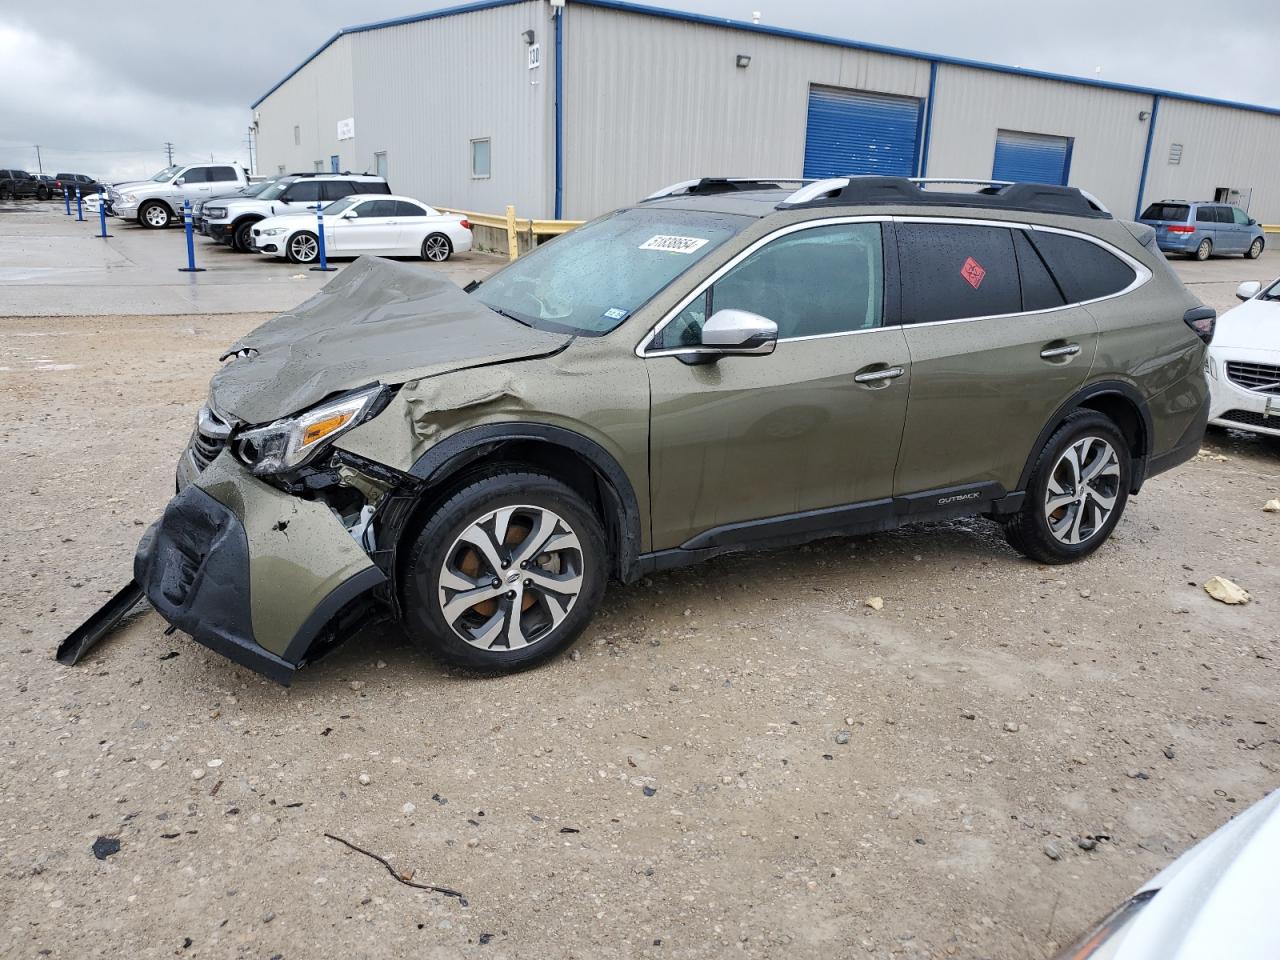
<point x="953" y="271"/>
<point x="812" y="282"/>
<point x="1084" y="270"/>
<point x="378" y="208"/>
<point x="221" y="174"/>
<point x="196" y="175"/>
<point x="1223" y="214"/>
<point x="1039" y="289"/>
<point x="406" y="209"/>
<point x="337" y="189"/>
<point x="1205" y="215"/>
<point x="377" y="186"/>
<point x="304" y="191"/>
<point x="1241" y="218"/>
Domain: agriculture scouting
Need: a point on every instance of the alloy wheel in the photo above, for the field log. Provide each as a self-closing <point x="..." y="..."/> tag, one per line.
<point x="1082" y="490"/>
<point x="156" y="216"/>
<point x="511" y="577"/>
<point x="436" y="248"/>
<point x="303" y="248"/>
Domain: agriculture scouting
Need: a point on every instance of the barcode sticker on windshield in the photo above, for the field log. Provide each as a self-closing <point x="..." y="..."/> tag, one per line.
<point x="673" y="244"/>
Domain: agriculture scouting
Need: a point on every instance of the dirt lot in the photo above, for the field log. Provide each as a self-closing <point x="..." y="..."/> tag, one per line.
<point x="683" y="789"/>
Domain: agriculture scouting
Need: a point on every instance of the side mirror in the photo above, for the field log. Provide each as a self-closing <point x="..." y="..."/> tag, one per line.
<point x="1253" y="223"/>
<point x="180" y="181"/>
<point x="1248" y="290"/>
<point x="348" y="215"/>
<point x="739" y="333"/>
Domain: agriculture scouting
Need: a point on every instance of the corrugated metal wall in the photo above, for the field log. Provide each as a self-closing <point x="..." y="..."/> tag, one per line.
<point x="971" y="105"/>
<point x="314" y="99"/>
<point x="1221" y="147"/>
<point x="425" y="90"/>
<point x="652" y="101"/>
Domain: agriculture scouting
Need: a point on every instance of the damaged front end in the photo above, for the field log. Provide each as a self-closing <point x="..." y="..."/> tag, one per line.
<point x="270" y="553"/>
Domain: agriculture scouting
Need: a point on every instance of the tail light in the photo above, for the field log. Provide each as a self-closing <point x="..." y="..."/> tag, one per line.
<point x="466" y="224"/>
<point x="1202" y="320"/>
<point x="1182" y="228"/>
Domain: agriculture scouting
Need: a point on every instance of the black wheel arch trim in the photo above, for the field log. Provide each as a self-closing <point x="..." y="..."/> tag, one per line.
<point x="1077" y="401"/>
<point x="344" y="593"/>
<point x="456" y="451"/>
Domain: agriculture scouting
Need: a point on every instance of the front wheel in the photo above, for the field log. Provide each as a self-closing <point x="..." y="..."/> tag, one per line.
<point x="437" y="248"/>
<point x="303" y="247"/>
<point x="1255" y="249"/>
<point x="505" y="574"/>
<point x="42" y="193"/>
<point x="1203" y="251"/>
<point x="242" y="239"/>
<point x="154" y="215"/>
<point x="1078" y="490"/>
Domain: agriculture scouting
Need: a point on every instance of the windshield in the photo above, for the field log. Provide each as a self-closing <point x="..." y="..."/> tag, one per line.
<point x="1166" y="211"/>
<point x="274" y="190"/>
<point x="259" y="190"/>
<point x="167" y="173"/>
<point x="1272" y="292"/>
<point x="345" y="203"/>
<point x="591" y="279"/>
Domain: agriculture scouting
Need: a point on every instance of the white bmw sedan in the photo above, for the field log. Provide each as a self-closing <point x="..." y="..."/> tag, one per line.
<point x="1244" y="362"/>
<point x="385" y="226"/>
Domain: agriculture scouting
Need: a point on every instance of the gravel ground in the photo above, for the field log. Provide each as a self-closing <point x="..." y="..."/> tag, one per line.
<point x="743" y="757"/>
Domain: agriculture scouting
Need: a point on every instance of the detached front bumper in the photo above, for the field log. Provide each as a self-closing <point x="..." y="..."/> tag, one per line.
<point x="250" y="571"/>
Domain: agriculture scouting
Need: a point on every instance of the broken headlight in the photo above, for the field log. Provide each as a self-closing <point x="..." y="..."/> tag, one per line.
<point x="289" y="443"/>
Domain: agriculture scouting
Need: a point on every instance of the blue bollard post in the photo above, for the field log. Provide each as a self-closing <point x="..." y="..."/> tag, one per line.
<point x="66" y="199"/>
<point x="79" y="207"/>
<point x="191" y="243"/>
<point x="102" y="215"/>
<point x="324" y="263"/>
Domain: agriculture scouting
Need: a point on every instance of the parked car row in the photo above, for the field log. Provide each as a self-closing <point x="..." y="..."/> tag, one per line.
<point x="278" y="217"/>
<point x="21" y="185"/>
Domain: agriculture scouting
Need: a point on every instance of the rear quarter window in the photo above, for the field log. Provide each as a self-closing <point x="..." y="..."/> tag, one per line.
<point x="1084" y="270"/>
<point x="954" y="271"/>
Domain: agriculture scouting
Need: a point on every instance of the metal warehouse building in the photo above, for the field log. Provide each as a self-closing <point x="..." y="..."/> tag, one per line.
<point x="568" y="109"/>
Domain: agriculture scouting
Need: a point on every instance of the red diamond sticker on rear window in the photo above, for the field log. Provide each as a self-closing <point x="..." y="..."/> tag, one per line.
<point x="973" y="272"/>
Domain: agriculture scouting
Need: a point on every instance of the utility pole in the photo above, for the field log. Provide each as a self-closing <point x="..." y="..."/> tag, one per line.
<point x="39" y="164"/>
<point x="168" y="147"/>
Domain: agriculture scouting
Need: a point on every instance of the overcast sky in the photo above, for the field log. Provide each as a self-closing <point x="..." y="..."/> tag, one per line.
<point x="102" y="86"/>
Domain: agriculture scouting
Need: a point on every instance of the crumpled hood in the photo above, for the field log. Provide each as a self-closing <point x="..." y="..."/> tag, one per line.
<point x="376" y="321"/>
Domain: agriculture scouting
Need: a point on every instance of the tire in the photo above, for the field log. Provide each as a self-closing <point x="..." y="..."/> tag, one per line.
<point x="154" y="215"/>
<point x="242" y="238"/>
<point x="1204" y="250"/>
<point x="498" y="513"/>
<point x="302" y="247"/>
<point x="1076" y="526"/>
<point x="1255" y="249"/>
<point x="437" y="248"/>
<point x="6" y="192"/>
<point x="42" y="193"/>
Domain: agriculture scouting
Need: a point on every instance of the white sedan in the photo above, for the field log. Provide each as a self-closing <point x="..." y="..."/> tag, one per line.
<point x="385" y="226"/>
<point x="1244" y="362"/>
<point x="1215" y="902"/>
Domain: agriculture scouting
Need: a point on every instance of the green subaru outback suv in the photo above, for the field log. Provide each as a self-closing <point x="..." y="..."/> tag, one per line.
<point x="726" y="365"/>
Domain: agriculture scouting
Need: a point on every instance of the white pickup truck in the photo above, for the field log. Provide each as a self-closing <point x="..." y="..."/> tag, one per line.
<point x="157" y="202"/>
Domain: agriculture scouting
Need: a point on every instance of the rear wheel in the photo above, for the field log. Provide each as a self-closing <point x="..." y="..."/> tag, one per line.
<point x="302" y="247"/>
<point x="1255" y="249"/>
<point x="1203" y="251"/>
<point x="42" y="193"/>
<point x="154" y="215"/>
<point x="437" y="248"/>
<point x="1078" y="490"/>
<point x="505" y="574"/>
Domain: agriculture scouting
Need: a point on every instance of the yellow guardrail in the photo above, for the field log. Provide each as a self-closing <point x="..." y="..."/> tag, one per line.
<point x="514" y="226"/>
<point x="1271" y="228"/>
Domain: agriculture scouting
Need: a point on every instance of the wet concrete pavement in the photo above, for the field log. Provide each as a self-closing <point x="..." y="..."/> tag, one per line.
<point x="55" y="266"/>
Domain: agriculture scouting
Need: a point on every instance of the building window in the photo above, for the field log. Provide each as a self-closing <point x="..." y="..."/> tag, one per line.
<point x="380" y="164"/>
<point x="334" y="162"/>
<point x="297" y="135"/>
<point x="480" y="158"/>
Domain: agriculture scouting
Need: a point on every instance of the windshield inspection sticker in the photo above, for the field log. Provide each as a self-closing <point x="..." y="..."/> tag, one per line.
<point x="615" y="313"/>
<point x="673" y="244"/>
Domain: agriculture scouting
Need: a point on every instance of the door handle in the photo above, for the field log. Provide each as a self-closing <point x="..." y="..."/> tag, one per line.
<point x="879" y="376"/>
<point x="1066" y="350"/>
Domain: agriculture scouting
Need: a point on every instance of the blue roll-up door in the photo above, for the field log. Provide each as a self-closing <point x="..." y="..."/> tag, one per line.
<point x="1031" y="157"/>
<point x="851" y="131"/>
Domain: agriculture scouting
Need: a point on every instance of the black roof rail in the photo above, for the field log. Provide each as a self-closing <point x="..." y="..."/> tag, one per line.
<point x="705" y="186"/>
<point x="907" y="191"/>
